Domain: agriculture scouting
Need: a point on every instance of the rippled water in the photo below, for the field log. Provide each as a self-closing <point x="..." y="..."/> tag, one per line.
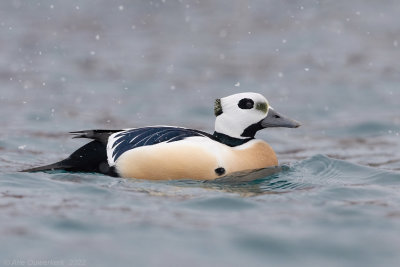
<point x="115" y="64"/>
<point x="317" y="211"/>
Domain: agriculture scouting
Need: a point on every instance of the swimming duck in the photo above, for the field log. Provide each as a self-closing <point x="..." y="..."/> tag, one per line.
<point x="168" y="152"/>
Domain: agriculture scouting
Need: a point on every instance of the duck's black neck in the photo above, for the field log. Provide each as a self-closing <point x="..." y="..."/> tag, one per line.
<point x="228" y="140"/>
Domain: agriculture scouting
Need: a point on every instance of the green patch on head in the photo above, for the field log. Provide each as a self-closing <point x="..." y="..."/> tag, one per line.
<point x="262" y="106"/>
<point x="217" y="107"/>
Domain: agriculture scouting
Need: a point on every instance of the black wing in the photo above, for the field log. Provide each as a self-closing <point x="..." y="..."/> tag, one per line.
<point x="133" y="138"/>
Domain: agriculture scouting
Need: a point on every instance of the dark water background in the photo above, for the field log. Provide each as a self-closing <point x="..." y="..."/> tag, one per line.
<point x="72" y="65"/>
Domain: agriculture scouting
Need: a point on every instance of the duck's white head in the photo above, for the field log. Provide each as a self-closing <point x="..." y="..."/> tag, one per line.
<point x="242" y="115"/>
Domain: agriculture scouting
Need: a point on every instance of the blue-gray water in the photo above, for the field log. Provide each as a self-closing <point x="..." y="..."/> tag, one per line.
<point x="73" y="65"/>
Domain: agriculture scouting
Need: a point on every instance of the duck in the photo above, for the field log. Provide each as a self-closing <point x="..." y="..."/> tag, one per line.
<point x="174" y="153"/>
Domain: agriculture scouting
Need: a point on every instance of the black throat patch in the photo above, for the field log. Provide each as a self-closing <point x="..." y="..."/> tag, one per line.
<point x="228" y="140"/>
<point x="251" y="131"/>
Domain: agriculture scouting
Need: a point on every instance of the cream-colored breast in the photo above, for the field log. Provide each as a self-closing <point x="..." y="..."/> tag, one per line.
<point x="193" y="158"/>
<point x="255" y="154"/>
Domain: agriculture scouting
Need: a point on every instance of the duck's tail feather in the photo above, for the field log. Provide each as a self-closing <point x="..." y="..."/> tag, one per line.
<point x="50" y="167"/>
<point x="99" y="135"/>
<point x="91" y="157"/>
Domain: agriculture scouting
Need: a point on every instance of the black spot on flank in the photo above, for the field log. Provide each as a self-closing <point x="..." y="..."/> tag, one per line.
<point x="220" y="171"/>
<point x="246" y="103"/>
<point x="277" y="116"/>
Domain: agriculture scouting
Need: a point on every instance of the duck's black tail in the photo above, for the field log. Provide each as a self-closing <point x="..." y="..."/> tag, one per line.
<point x="51" y="167"/>
<point x="91" y="157"/>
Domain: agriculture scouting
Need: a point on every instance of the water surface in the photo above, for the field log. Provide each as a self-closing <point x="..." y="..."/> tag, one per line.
<point x="67" y="66"/>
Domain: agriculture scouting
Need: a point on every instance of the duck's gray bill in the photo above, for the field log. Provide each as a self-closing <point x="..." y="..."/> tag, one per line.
<point x="274" y="119"/>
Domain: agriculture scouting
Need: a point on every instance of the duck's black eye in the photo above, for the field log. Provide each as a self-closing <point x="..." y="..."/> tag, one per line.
<point x="246" y="103"/>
